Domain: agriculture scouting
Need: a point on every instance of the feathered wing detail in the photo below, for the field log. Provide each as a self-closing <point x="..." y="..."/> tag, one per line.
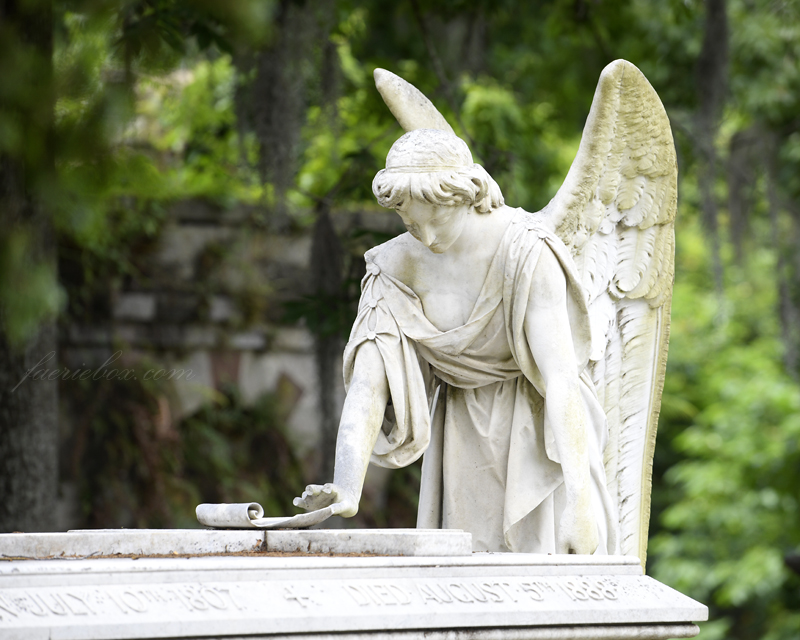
<point x="616" y="212"/>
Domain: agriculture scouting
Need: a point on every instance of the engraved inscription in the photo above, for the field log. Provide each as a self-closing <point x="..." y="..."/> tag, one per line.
<point x="191" y="597"/>
<point x="78" y="605"/>
<point x="126" y="601"/>
<point x="7" y="608"/>
<point x="306" y="597"/>
<point x="303" y="597"/>
<point x="449" y="592"/>
<point x="476" y="592"/>
<point x="445" y="592"/>
<point x="589" y="589"/>
<point x="377" y="593"/>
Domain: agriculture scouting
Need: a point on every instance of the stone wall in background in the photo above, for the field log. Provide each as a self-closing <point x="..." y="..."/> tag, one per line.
<point x="209" y="309"/>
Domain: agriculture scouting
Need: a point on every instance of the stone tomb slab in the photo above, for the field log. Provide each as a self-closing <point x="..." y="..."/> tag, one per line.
<point x="482" y="595"/>
<point x="110" y="542"/>
<point x="161" y="542"/>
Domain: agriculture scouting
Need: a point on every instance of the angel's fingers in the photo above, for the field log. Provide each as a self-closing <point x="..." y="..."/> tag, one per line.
<point x="312" y="491"/>
<point x="307" y="497"/>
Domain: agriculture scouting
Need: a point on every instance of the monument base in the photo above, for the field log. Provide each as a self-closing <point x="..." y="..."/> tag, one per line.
<point x="271" y="594"/>
<point x="583" y="632"/>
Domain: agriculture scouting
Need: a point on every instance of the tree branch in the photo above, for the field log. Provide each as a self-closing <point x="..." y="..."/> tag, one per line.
<point x="438" y="69"/>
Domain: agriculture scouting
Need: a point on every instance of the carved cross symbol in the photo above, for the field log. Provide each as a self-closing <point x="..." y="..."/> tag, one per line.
<point x="290" y="594"/>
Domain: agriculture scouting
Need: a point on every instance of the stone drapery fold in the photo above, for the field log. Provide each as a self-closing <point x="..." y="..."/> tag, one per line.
<point x="490" y="454"/>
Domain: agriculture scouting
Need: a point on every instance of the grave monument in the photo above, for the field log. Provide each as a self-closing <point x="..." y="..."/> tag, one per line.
<point x="521" y="354"/>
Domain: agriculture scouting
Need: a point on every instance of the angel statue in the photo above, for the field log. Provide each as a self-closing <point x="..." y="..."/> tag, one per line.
<point x="522" y="354"/>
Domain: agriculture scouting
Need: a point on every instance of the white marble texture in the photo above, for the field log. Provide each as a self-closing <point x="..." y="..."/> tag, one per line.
<point x="250" y="515"/>
<point x="523" y="354"/>
<point x="493" y="595"/>
<point x="388" y="542"/>
<point x="586" y="632"/>
<point x="110" y="542"/>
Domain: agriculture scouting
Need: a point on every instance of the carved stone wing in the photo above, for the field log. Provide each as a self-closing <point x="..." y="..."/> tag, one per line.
<point x="616" y="212"/>
<point x="408" y="104"/>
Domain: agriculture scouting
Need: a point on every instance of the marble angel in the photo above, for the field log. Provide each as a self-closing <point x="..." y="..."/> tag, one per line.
<point x="522" y="354"/>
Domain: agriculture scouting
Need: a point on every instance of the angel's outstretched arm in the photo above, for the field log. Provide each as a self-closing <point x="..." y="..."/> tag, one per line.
<point x="548" y="333"/>
<point x="361" y="421"/>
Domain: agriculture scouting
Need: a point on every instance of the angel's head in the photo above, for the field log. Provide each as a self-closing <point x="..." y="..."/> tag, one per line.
<point x="432" y="182"/>
<point x="436" y="167"/>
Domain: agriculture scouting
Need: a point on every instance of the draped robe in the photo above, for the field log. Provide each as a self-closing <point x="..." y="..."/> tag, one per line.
<point x="473" y="401"/>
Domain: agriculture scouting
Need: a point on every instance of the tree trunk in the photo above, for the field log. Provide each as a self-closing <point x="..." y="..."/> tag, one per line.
<point x="786" y="269"/>
<point x="327" y="278"/>
<point x="274" y="103"/>
<point x="712" y="76"/>
<point x="29" y="441"/>
<point x="28" y="408"/>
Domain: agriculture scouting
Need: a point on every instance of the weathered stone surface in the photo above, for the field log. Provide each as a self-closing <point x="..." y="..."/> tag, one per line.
<point x="110" y="542"/>
<point x="545" y="332"/>
<point x="222" y="309"/>
<point x="137" y="306"/>
<point x="492" y="596"/>
<point x="400" y="542"/>
<point x="248" y="340"/>
<point x="585" y="632"/>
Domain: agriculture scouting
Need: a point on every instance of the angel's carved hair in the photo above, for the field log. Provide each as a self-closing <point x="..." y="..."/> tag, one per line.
<point x="435" y="167"/>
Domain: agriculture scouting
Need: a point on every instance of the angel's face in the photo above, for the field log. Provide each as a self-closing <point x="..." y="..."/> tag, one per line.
<point x="435" y="226"/>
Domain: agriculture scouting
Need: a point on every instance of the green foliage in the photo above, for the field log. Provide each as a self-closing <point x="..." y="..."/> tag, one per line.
<point x="324" y="314"/>
<point x="135" y="466"/>
<point x="27" y="285"/>
<point x="232" y="453"/>
<point x="145" y="114"/>
<point x="27" y="280"/>
<point x="63" y="123"/>
<point x="731" y="415"/>
<point x="115" y="454"/>
<point x="189" y="117"/>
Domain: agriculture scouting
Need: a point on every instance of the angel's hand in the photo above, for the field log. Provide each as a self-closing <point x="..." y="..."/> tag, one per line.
<point x="319" y="496"/>
<point x="577" y="531"/>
